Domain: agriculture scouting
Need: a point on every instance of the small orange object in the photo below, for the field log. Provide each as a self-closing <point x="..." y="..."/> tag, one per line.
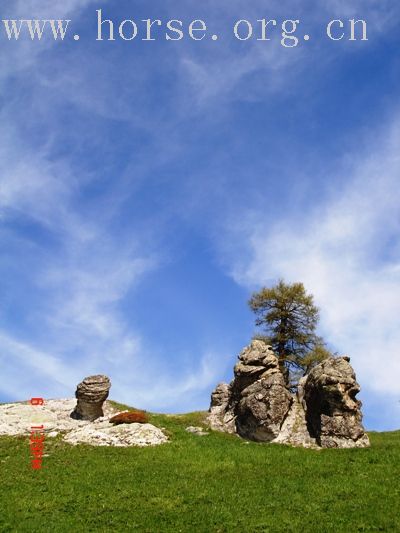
<point x="37" y="401"/>
<point x="130" y="417"/>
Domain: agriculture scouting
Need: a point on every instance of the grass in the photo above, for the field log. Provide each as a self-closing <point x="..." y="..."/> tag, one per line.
<point x="216" y="483"/>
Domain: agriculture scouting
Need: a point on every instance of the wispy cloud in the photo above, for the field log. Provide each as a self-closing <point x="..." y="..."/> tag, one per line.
<point x="76" y="326"/>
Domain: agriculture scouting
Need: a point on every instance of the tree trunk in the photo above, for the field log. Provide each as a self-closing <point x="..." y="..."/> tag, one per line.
<point x="282" y="352"/>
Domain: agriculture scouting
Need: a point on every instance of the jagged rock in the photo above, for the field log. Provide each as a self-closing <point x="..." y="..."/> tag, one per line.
<point x="256" y="402"/>
<point x="221" y="417"/>
<point x="91" y="393"/>
<point x="258" y="406"/>
<point x="261" y="400"/>
<point x="262" y="408"/>
<point x="333" y="414"/>
<point x="255" y="361"/>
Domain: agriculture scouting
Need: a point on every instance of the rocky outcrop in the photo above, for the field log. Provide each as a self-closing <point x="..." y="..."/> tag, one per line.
<point x="221" y="417"/>
<point x="256" y="403"/>
<point x="262" y="408"/>
<point x="258" y="406"/>
<point x="91" y="393"/>
<point x="54" y="415"/>
<point x="261" y="400"/>
<point x="102" y="434"/>
<point x="333" y="413"/>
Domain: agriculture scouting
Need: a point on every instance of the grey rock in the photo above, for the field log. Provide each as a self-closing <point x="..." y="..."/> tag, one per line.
<point x="262" y="408"/>
<point x="197" y="431"/>
<point x="255" y="404"/>
<point x="220" y="396"/>
<point x="91" y="393"/>
<point x="221" y="416"/>
<point x="254" y="361"/>
<point x="102" y="434"/>
<point x="324" y="413"/>
<point x="333" y="413"/>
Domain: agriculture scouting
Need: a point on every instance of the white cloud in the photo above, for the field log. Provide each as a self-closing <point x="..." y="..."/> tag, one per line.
<point x="27" y="371"/>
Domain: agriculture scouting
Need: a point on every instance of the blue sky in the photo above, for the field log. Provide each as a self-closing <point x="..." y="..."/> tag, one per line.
<point x="146" y="189"/>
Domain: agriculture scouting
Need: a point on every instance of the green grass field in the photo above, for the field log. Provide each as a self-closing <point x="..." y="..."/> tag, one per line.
<point x="201" y="484"/>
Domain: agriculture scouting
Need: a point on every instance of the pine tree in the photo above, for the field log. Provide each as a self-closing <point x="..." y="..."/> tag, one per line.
<point x="289" y="317"/>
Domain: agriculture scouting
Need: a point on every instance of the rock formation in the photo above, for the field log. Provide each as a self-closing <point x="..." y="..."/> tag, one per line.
<point x="256" y="403"/>
<point x="259" y="393"/>
<point x="221" y="415"/>
<point x="258" y="406"/>
<point x="332" y="412"/>
<point x="91" y="393"/>
<point x="54" y="415"/>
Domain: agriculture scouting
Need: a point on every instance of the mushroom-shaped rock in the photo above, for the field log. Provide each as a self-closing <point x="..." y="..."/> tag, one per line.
<point x="91" y="393"/>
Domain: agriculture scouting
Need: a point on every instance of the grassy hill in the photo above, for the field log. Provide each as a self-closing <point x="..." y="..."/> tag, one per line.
<point x="216" y="483"/>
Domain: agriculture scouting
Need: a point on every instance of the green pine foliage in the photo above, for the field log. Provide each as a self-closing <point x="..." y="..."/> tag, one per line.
<point x="288" y="319"/>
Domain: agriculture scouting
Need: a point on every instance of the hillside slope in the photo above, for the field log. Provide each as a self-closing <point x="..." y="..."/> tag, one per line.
<point x="194" y="484"/>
